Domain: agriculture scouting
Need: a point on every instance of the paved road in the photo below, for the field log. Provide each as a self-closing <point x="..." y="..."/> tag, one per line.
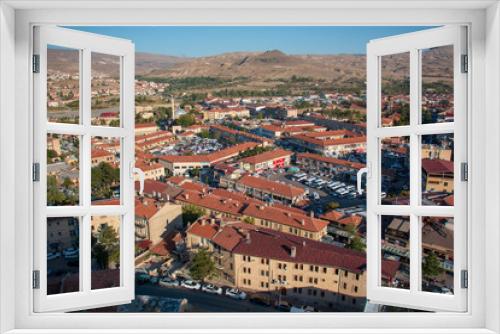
<point x="201" y="301"/>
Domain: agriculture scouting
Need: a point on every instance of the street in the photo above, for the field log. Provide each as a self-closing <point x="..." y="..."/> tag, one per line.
<point x="201" y="301"/>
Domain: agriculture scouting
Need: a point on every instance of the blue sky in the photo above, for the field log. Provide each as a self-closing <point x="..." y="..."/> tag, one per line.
<point x="205" y="41"/>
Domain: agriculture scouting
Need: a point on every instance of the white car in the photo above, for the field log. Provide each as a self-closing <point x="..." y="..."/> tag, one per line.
<point x="191" y="285"/>
<point x="210" y="288"/>
<point x="53" y="256"/>
<point x="300" y="309"/>
<point x="168" y="282"/>
<point x="236" y="294"/>
<point x="70" y="253"/>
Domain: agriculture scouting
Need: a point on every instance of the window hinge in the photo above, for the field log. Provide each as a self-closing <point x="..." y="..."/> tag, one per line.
<point x="464" y="279"/>
<point x="465" y="63"/>
<point x="36" y="279"/>
<point x="36" y="172"/>
<point x="464" y="170"/>
<point x="36" y="63"/>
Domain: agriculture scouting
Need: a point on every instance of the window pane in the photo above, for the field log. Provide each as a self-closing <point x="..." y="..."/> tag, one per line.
<point x="395" y="245"/>
<point x="105" y="89"/>
<point x="437" y="254"/>
<point x="63" y="85"/>
<point x="63" y="258"/>
<point x="395" y="170"/>
<point x="437" y="169"/>
<point x="63" y="170"/>
<point x="106" y="170"/>
<point x="437" y="85"/>
<point x="395" y="89"/>
<point x="105" y="252"/>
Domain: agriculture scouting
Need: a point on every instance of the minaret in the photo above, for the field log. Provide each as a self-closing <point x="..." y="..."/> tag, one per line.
<point x="173" y="107"/>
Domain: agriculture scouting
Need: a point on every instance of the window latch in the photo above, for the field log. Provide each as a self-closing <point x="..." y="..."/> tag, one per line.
<point x="359" y="176"/>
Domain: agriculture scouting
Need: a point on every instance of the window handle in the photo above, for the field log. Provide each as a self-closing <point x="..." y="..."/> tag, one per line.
<point x="142" y="176"/>
<point x="361" y="171"/>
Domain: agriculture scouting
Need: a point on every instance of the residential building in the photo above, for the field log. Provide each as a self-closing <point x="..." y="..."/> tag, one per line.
<point x="437" y="175"/>
<point x="152" y="170"/>
<point x="99" y="156"/>
<point x="330" y="143"/>
<point x="301" y="270"/>
<point x="277" y="158"/>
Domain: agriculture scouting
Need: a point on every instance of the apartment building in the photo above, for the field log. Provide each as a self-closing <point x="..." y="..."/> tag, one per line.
<point x="278" y="158"/>
<point x="99" y="156"/>
<point x="300" y="270"/>
<point x="152" y="170"/>
<point x="264" y="189"/>
<point x="154" y="220"/>
<point x="316" y="161"/>
<point x="62" y="232"/>
<point x="180" y="164"/>
<point x="222" y="113"/>
<point x="437" y="175"/>
<point x="145" y="128"/>
<point x="238" y="136"/>
<point x="330" y="143"/>
<point x="287" y="220"/>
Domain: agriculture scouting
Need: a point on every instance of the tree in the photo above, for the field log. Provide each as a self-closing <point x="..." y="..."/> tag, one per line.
<point x="202" y="266"/>
<point x="104" y="176"/>
<point x="431" y="267"/>
<point x="204" y="134"/>
<point x="333" y="205"/>
<point x="51" y="155"/>
<point x="185" y="120"/>
<point x="191" y="213"/>
<point x="106" y="247"/>
<point x="249" y="220"/>
<point x="355" y="241"/>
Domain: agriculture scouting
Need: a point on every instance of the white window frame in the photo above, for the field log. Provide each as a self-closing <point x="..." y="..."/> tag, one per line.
<point x="17" y="17"/>
<point x="85" y="44"/>
<point x="412" y="44"/>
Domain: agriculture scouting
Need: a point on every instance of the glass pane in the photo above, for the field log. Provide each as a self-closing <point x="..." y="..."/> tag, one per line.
<point x="437" y="169"/>
<point x="63" y="258"/>
<point x="395" y="89"/>
<point x="63" y="85"/>
<point x="395" y="246"/>
<point x="105" y="89"/>
<point x="105" y="252"/>
<point x="395" y="169"/>
<point x="437" y="254"/>
<point x="105" y="173"/>
<point x="437" y="84"/>
<point x="63" y="170"/>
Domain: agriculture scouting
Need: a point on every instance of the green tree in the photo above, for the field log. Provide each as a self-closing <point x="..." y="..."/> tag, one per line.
<point x="51" y="155"/>
<point x="355" y="241"/>
<point x="186" y="120"/>
<point x="104" y="176"/>
<point x="249" y="220"/>
<point x="204" y="134"/>
<point x="106" y="247"/>
<point x="333" y="205"/>
<point x="202" y="266"/>
<point x="431" y="266"/>
<point x="190" y="213"/>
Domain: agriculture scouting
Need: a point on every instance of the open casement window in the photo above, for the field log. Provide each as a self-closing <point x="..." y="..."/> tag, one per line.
<point x="83" y="160"/>
<point x="417" y="154"/>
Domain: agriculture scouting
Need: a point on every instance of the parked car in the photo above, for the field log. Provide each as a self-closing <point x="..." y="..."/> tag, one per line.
<point x="236" y="294"/>
<point x="70" y="253"/>
<point x="210" y="288"/>
<point x="261" y="300"/>
<point x="283" y="306"/>
<point x="192" y="285"/>
<point x="168" y="282"/>
<point x="304" y="308"/>
<point x="53" y="256"/>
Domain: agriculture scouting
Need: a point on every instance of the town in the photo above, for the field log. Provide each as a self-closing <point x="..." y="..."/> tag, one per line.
<point x="250" y="202"/>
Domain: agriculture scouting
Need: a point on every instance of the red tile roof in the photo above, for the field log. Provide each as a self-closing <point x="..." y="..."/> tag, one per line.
<point x="437" y="166"/>
<point x="286" y="217"/>
<point x="267" y="156"/>
<point x="211" y="158"/>
<point x="333" y="161"/>
<point x="281" y="189"/>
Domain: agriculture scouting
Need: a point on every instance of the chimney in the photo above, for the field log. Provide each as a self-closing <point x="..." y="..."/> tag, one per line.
<point x="311" y="214"/>
<point x="304" y="243"/>
<point x="302" y="222"/>
<point x="293" y="251"/>
<point x="168" y="198"/>
<point x="288" y="214"/>
<point x="186" y="196"/>
<point x="247" y="238"/>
